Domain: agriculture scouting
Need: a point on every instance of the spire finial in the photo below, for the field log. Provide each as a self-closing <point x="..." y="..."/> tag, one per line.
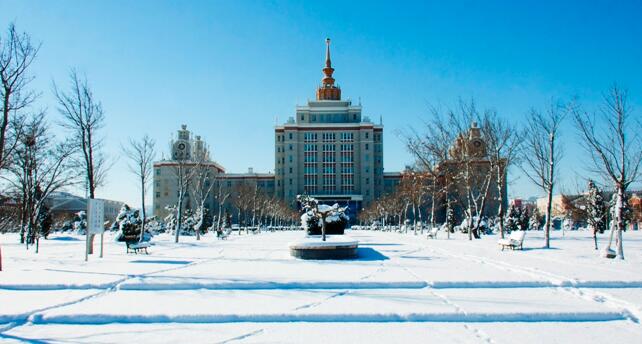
<point x="328" y="63"/>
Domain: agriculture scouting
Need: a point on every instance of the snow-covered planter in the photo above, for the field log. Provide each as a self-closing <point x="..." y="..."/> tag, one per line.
<point x="335" y="223"/>
<point x="317" y="217"/>
<point x="320" y="220"/>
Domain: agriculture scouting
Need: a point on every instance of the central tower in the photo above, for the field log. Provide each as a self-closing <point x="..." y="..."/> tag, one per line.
<point x="327" y="90"/>
<point x="328" y="150"/>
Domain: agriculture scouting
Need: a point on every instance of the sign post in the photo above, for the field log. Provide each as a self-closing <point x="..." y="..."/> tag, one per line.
<point x="95" y="222"/>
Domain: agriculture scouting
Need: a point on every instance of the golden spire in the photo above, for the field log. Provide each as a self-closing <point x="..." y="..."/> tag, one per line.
<point x="328" y="70"/>
<point x="327" y="90"/>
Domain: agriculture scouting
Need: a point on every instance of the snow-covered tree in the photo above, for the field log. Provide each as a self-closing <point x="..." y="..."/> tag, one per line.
<point x="327" y="215"/>
<point x="535" y="220"/>
<point x="512" y="222"/>
<point x="524" y="219"/>
<point x="450" y="219"/>
<point x="170" y="219"/>
<point x="80" y="223"/>
<point x="597" y="210"/>
<point x="129" y="223"/>
<point x="612" y="137"/>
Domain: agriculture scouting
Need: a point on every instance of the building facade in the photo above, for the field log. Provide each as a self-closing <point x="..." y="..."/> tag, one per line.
<point x="329" y="150"/>
<point x="191" y="154"/>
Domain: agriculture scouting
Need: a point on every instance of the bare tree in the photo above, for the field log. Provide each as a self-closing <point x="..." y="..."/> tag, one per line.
<point x="41" y="167"/>
<point x="141" y="158"/>
<point x="430" y="150"/>
<point x="201" y="186"/>
<point x="613" y="141"/>
<point x="16" y="55"/>
<point x="502" y="143"/>
<point x="222" y="194"/>
<point x="183" y="172"/>
<point x="542" y="154"/>
<point x="83" y="116"/>
<point x="468" y="163"/>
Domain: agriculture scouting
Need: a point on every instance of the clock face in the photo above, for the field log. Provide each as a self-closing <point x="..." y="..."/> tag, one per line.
<point x="181" y="146"/>
<point x="477" y="144"/>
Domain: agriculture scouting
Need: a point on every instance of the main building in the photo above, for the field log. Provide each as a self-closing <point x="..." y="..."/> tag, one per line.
<point x="329" y="150"/>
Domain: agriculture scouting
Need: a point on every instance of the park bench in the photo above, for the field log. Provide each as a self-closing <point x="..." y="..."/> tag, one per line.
<point x="223" y="234"/>
<point x="514" y="241"/>
<point x="133" y="245"/>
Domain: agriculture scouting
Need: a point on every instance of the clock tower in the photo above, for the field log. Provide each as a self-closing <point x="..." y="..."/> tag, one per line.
<point x="181" y="148"/>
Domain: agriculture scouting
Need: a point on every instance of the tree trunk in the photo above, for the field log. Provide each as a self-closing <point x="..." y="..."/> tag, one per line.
<point x="500" y="198"/>
<point x="619" y="204"/>
<point x="142" y="196"/>
<point x="179" y="217"/>
<point x="547" y="225"/>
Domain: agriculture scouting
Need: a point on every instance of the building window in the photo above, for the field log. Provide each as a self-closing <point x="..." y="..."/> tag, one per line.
<point x="310" y="184"/>
<point x="328" y="137"/>
<point x="158" y="171"/>
<point x="290" y="136"/>
<point x="367" y="134"/>
<point x="367" y="181"/>
<point x="290" y="181"/>
<point x="290" y="146"/>
<point x="310" y="137"/>
<point x="290" y="158"/>
<point x="366" y="146"/>
<point x="290" y="169"/>
<point x="158" y="195"/>
<point x="347" y="137"/>
<point x="302" y="117"/>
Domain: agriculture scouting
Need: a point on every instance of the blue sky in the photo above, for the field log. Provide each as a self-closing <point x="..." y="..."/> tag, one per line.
<point x="228" y="68"/>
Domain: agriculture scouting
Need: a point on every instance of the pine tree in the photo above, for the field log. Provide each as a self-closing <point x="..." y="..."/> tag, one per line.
<point x="596" y="210"/>
<point x="535" y="220"/>
<point x="450" y="219"/>
<point x="523" y="219"/>
<point x="512" y="218"/>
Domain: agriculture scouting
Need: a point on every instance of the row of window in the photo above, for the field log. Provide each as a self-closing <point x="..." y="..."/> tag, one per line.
<point x="329" y="117"/>
<point x="328" y="137"/>
<point x="309" y="147"/>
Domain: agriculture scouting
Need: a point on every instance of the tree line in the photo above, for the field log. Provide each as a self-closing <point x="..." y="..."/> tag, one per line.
<point x="450" y="172"/>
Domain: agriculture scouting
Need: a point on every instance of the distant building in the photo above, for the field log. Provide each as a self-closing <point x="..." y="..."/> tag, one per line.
<point x="192" y="152"/>
<point x="328" y="150"/>
<point x="64" y="206"/>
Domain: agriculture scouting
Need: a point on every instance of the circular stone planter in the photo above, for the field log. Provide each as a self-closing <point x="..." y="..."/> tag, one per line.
<point x="335" y="247"/>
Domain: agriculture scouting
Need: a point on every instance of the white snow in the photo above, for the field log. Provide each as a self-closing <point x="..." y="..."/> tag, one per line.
<point x="403" y="288"/>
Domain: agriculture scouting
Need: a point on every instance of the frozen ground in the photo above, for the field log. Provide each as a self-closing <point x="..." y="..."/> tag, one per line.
<point x="249" y="290"/>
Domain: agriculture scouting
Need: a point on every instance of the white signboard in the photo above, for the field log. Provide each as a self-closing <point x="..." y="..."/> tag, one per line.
<point x="95" y="216"/>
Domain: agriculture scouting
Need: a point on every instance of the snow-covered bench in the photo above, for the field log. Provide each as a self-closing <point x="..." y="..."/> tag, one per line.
<point x="223" y="234"/>
<point x="432" y="234"/>
<point x="515" y="240"/>
<point x="135" y="246"/>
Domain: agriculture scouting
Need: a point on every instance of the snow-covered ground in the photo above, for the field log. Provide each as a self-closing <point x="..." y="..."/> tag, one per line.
<point x="248" y="289"/>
